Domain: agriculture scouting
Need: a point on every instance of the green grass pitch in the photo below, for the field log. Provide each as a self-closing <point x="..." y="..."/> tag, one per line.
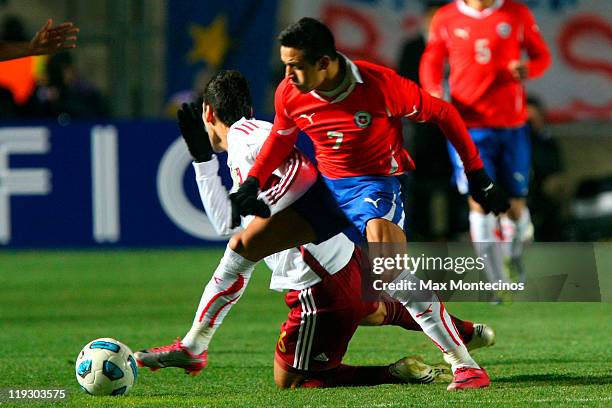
<point x="52" y="303"/>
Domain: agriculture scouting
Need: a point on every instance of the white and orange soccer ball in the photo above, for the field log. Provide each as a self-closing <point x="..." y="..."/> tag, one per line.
<point x="106" y="366"/>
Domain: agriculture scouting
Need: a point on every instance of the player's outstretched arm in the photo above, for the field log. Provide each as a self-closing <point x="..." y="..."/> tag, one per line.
<point x="537" y="50"/>
<point x="408" y="100"/>
<point x="486" y="193"/>
<point x="48" y="40"/>
<point x="213" y="194"/>
<point x="490" y="197"/>
<point x="431" y="67"/>
<point x="214" y="197"/>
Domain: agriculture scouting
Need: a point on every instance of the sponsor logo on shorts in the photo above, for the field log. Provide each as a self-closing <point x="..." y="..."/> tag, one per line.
<point x="322" y="357"/>
<point x="373" y="202"/>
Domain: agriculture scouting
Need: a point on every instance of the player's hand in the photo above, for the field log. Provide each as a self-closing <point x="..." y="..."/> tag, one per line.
<point x="49" y="39"/>
<point x="490" y="197"/>
<point x="194" y="133"/>
<point x="519" y="70"/>
<point x="245" y="202"/>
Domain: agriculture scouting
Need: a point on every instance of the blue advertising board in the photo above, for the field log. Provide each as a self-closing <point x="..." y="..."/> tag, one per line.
<point x="91" y="184"/>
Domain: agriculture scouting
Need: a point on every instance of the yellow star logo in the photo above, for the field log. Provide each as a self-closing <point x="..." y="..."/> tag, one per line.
<point x="210" y="44"/>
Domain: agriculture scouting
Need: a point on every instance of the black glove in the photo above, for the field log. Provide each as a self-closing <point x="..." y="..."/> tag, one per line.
<point x="194" y="133"/>
<point x="245" y="202"/>
<point x="490" y="197"/>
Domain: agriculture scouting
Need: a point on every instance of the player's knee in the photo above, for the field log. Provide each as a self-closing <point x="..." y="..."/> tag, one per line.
<point x="284" y="379"/>
<point x="282" y="383"/>
<point x="236" y="244"/>
<point x="382" y="230"/>
<point x="375" y="318"/>
<point x="244" y="245"/>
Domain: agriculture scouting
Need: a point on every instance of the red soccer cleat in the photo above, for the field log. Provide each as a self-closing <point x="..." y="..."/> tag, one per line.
<point x="173" y="355"/>
<point x="469" y="377"/>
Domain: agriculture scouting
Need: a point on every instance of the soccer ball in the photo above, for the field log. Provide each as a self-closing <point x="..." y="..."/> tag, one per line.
<point x="106" y="367"/>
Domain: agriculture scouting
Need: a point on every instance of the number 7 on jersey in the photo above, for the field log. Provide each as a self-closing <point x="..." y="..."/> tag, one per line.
<point x="338" y="136"/>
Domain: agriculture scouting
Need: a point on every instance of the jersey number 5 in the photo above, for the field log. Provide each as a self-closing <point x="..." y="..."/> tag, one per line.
<point x="482" y="50"/>
<point x="338" y="136"/>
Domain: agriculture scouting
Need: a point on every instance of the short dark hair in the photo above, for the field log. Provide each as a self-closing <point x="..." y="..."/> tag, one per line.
<point x="229" y="95"/>
<point x="311" y="36"/>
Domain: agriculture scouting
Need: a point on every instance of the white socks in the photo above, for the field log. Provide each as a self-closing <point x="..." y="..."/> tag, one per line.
<point x="523" y="231"/>
<point x="460" y="357"/>
<point x="427" y="310"/>
<point x="486" y="245"/>
<point x="223" y="290"/>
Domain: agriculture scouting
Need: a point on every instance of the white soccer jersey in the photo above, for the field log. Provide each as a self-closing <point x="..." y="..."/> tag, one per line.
<point x="288" y="183"/>
<point x="290" y="269"/>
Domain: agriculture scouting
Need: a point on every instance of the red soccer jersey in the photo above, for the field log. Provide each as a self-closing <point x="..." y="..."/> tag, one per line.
<point x="479" y="46"/>
<point x="360" y="132"/>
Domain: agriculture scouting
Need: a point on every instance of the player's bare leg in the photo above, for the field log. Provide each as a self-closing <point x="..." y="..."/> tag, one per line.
<point x="382" y="230"/>
<point x="266" y="236"/>
<point x="286" y="379"/>
<point x="377" y="317"/>
<point x="426" y="309"/>
<point x="407" y="370"/>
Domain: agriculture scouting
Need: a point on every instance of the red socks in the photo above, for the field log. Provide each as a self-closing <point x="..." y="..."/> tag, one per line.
<point x="346" y="376"/>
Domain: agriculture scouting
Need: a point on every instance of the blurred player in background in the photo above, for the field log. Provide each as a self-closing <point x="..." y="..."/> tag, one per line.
<point x="483" y="41"/>
<point x="429" y="180"/>
<point x="324" y="281"/>
<point x="48" y="40"/>
<point x="352" y="111"/>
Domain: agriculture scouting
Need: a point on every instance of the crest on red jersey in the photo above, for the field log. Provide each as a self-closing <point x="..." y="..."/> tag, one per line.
<point x="504" y="29"/>
<point x="363" y="119"/>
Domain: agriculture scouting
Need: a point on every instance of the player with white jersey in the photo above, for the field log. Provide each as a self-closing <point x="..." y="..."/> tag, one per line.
<point x="323" y="280"/>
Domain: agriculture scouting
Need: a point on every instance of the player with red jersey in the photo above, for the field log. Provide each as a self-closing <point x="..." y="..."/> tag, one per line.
<point x="324" y="281"/>
<point x="352" y="111"/>
<point x="483" y="41"/>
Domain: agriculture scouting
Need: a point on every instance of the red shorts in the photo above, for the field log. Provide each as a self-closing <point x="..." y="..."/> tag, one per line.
<point x="322" y="320"/>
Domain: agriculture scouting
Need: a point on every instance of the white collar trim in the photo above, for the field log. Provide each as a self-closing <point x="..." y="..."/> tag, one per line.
<point x="353" y="68"/>
<point x="472" y="12"/>
<point x="238" y="123"/>
<point x="358" y="80"/>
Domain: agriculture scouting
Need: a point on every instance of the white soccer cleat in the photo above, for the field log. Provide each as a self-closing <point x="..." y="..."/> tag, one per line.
<point x="483" y="336"/>
<point x="413" y="370"/>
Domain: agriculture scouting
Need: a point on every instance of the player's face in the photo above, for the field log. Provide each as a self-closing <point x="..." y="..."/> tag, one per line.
<point x="303" y="75"/>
